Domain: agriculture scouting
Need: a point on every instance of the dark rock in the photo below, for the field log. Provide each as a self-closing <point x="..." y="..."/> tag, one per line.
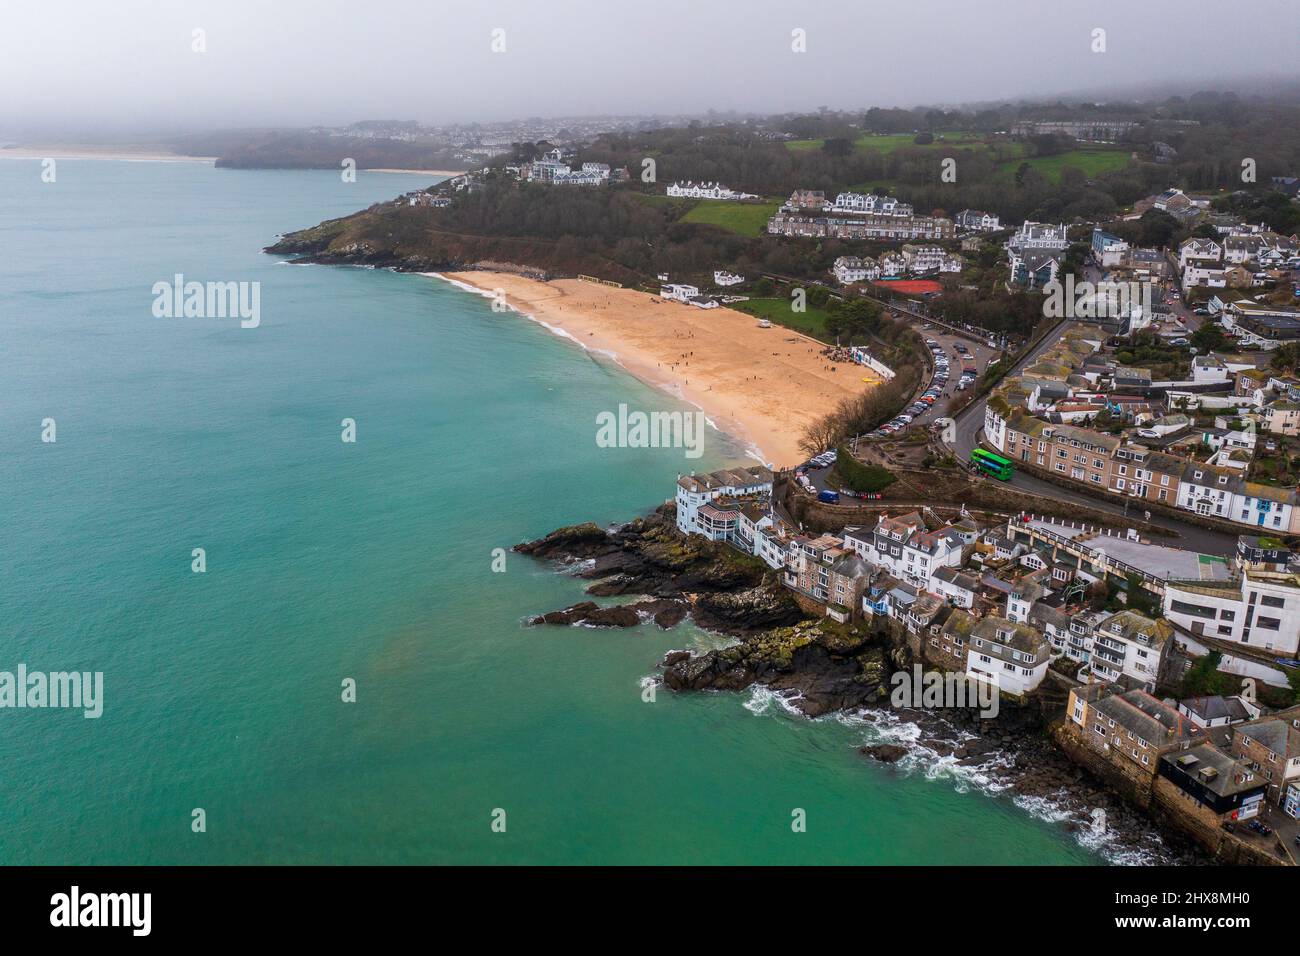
<point x="885" y="753"/>
<point x="588" y="612"/>
<point x="578" y="541"/>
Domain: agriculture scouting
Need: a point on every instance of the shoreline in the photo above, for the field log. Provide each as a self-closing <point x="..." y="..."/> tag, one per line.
<point x="416" y="172"/>
<point x="117" y="153"/>
<point x="762" y="386"/>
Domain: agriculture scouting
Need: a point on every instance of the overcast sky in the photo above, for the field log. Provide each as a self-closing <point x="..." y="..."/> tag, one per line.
<point x="99" y="65"/>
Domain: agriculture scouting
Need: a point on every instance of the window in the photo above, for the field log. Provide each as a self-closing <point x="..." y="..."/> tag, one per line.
<point x="1268" y="623"/>
<point x="1227" y="615"/>
<point x="1268" y="600"/>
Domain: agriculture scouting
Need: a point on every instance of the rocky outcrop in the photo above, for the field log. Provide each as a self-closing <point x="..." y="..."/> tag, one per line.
<point x="885" y="753"/>
<point x="823" y="670"/>
<point x="724" y="590"/>
<point x="664" y="612"/>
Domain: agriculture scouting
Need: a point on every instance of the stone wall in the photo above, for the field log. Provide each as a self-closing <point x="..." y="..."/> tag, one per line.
<point x="1136" y="505"/>
<point x="1174" y="807"/>
<point x="1133" y="785"/>
<point x="1163" y="801"/>
<point x="988" y="500"/>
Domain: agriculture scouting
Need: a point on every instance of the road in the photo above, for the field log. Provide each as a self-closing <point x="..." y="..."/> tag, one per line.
<point x="970" y="428"/>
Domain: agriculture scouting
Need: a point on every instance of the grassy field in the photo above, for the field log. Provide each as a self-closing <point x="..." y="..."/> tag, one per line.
<point x="1093" y="162"/>
<point x="889" y="142"/>
<point x="742" y="218"/>
<point x="777" y="311"/>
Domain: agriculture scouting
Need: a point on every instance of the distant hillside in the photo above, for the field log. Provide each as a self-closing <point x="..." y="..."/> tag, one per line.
<point x="296" y="149"/>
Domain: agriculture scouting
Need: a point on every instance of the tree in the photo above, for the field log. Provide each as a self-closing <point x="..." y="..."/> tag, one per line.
<point x="1286" y="358"/>
<point x="923" y="139"/>
<point x="854" y="319"/>
<point x="1209" y="337"/>
<point x="837" y="146"/>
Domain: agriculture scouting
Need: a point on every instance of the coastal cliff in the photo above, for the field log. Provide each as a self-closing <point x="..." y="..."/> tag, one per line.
<point x="721" y="589"/>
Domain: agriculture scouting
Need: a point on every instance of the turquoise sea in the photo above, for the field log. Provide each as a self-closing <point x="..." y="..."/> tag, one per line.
<point x="371" y="561"/>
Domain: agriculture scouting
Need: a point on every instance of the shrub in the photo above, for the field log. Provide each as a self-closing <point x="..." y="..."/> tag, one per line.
<point x="861" y="477"/>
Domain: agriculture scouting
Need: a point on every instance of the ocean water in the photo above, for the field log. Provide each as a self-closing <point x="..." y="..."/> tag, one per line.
<point x="370" y="561"/>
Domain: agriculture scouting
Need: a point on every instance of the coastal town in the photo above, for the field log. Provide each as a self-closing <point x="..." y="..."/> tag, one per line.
<point x="1066" y="470"/>
<point x="1125" y="634"/>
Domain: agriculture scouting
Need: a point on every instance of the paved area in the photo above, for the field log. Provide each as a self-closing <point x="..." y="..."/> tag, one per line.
<point x="1155" y="559"/>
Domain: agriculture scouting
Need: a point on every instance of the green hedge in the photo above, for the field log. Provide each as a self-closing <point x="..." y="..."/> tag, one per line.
<point x="862" y="478"/>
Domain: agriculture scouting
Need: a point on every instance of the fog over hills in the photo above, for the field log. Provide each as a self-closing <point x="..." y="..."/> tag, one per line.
<point x="93" y="69"/>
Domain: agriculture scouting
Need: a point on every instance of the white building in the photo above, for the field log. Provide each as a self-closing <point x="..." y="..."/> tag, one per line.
<point x="1008" y="654"/>
<point x="679" y="292"/>
<point x="1040" y="236"/>
<point x="954" y="585"/>
<point x="892" y="264"/>
<point x="1261" y="609"/>
<point x="1216" y="711"/>
<point x="696" y="491"/>
<point x="869" y="204"/>
<point x="1264" y="506"/>
<point x="691" y="190"/>
<point x="977" y="220"/>
<point x="1207" y="491"/>
<point x="1203" y="249"/>
<point x="1128" y="644"/>
<point x="724" y="278"/>
<point x="905" y="548"/>
<point x="850" y="269"/>
<point x="569" y="177"/>
<point x="1204" y="273"/>
<point x="924" y="258"/>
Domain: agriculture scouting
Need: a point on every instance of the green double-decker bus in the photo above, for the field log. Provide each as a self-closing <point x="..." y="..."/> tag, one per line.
<point x="991" y="464"/>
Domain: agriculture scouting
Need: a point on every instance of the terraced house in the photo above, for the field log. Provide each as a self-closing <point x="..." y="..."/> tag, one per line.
<point x="1009" y="654"/>
<point x="906" y="548"/>
<point x="1271" y="747"/>
<point x="1128" y="645"/>
<point x="1130" y="730"/>
<point x="1072" y="452"/>
<point x="1146" y="475"/>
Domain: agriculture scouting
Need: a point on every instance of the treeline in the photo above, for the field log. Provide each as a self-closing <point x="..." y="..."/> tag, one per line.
<point x="898" y="345"/>
<point x="298" y="149"/>
<point x="1212" y="134"/>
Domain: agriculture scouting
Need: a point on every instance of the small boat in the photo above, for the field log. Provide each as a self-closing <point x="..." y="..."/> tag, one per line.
<point x="764" y="324"/>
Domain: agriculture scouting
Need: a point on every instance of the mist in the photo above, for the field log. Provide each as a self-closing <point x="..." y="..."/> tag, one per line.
<point x="92" y="68"/>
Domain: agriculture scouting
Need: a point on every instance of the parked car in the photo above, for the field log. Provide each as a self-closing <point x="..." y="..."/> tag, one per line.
<point x="830" y="497"/>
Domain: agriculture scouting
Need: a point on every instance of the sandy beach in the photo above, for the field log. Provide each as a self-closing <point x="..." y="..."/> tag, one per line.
<point x="760" y="385"/>
<point x="141" y="154"/>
